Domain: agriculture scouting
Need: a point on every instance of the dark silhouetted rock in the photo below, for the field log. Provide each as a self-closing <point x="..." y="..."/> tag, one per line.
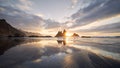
<point x="75" y="35"/>
<point x="59" y="34"/>
<point x="31" y="34"/>
<point x="64" y="33"/>
<point x="6" y="30"/>
<point x="85" y="36"/>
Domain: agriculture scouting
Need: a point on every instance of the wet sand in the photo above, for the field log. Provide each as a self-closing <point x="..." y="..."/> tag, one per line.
<point x="50" y="54"/>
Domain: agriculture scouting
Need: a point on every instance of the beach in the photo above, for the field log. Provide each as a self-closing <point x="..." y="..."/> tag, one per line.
<point x="60" y="53"/>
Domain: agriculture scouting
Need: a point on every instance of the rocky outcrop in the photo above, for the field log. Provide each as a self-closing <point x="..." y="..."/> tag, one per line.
<point x="64" y="33"/>
<point x="75" y="35"/>
<point x="61" y="34"/>
<point x="85" y="36"/>
<point x="7" y="30"/>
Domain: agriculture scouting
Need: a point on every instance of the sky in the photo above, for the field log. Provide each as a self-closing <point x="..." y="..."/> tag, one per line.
<point x="85" y="17"/>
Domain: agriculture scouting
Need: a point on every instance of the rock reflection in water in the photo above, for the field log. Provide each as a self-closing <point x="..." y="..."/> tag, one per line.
<point x="7" y="43"/>
<point x="63" y="42"/>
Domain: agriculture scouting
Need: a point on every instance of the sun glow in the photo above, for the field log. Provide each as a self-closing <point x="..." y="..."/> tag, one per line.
<point x="68" y="34"/>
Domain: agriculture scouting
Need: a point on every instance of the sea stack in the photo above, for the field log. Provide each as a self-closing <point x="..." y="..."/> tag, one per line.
<point x="75" y="35"/>
<point x="61" y="34"/>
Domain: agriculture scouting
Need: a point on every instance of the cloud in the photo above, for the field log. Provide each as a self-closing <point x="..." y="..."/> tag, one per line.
<point x="98" y="23"/>
<point x="24" y="5"/>
<point x="69" y="23"/>
<point x="108" y="28"/>
<point x="90" y="13"/>
<point x="40" y="15"/>
<point x="96" y="10"/>
<point x="74" y="2"/>
<point x="99" y="15"/>
<point x="16" y="13"/>
<point x="112" y="28"/>
<point x="19" y="18"/>
<point x="50" y="24"/>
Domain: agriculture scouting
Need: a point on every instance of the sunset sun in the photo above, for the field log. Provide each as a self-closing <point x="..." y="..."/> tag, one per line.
<point x="68" y="34"/>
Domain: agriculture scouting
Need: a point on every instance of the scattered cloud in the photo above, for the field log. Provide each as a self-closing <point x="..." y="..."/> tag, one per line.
<point x="74" y="2"/>
<point x="100" y="12"/>
<point x="50" y="24"/>
<point x="92" y="16"/>
<point x="40" y="15"/>
<point x="98" y="23"/>
<point x="18" y="16"/>
<point x="70" y="23"/>
<point x="24" y="5"/>
<point x="109" y="28"/>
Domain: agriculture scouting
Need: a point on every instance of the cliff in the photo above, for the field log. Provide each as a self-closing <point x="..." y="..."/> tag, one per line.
<point x="7" y="30"/>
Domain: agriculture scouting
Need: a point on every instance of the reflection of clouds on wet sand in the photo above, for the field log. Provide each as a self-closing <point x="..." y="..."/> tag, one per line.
<point x="48" y="53"/>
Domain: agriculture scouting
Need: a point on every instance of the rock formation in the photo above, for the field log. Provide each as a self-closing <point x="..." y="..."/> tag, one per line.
<point x="64" y="33"/>
<point x="61" y="34"/>
<point x="75" y="35"/>
<point x="7" y="30"/>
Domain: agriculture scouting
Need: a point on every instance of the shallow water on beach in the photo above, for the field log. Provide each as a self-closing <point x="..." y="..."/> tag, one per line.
<point x="60" y="53"/>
